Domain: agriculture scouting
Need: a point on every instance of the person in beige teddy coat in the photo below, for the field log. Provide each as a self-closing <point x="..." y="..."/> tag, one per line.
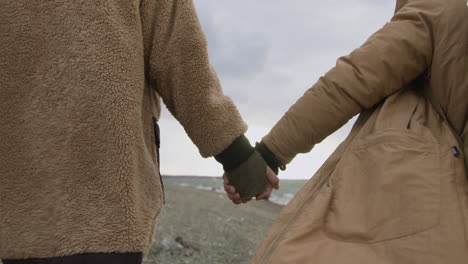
<point x="80" y="89"/>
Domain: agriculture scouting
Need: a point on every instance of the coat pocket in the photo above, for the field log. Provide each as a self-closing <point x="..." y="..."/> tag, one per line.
<point x="386" y="186"/>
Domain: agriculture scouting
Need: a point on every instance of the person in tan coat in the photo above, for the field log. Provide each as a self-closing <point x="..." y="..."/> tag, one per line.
<point x="395" y="191"/>
<point x="80" y="89"/>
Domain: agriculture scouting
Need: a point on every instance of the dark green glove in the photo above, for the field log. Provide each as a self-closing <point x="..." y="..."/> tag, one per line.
<point x="249" y="178"/>
<point x="244" y="167"/>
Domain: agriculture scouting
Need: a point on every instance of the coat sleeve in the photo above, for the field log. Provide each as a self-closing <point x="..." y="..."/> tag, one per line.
<point x="178" y="68"/>
<point x="387" y="62"/>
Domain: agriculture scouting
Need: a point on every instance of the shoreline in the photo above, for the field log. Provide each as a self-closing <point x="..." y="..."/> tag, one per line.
<point x="287" y="191"/>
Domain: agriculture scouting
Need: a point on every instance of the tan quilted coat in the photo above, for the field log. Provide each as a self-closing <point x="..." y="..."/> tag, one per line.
<point x="395" y="191"/>
<point x="80" y="83"/>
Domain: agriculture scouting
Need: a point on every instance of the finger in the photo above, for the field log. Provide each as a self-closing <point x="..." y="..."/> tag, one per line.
<point x="266" y="194"/>
<point x="233" y="196"/>
<point x="268" y="189"/>
<point x="263" y="196"/>
<point x="229" y="189"/>
<point x="272" y="178"/>
<point x="237" y="201"/>
<point x="246" y="200"/>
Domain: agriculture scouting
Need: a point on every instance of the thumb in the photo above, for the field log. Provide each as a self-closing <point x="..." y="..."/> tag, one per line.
<point x="272" y="178"/>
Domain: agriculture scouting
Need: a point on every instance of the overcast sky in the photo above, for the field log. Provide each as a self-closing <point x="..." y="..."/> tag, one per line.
<point x="267" y="53"/>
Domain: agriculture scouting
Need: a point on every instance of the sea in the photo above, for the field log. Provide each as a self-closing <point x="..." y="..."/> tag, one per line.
<point x="287" y="190"/>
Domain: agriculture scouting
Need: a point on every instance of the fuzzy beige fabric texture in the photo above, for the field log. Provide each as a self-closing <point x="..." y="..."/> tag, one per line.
<point x="80" y="83"/>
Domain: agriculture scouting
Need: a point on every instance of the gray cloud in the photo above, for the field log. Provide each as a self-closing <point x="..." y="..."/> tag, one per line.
<point x="268" y="52"/>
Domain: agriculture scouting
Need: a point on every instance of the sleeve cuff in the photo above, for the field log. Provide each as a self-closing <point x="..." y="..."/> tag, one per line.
<point x="238" y="152"/>
<point x="270" y="157"/>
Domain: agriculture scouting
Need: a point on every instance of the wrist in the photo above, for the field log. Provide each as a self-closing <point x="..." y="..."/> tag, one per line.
<point x="237" y="153"/>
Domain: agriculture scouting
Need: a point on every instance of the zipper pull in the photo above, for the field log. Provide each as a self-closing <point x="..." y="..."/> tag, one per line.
<point x="456" y="152"/>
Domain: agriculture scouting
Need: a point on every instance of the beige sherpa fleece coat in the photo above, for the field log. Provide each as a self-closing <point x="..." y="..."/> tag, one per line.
<point x="79" y="85"/>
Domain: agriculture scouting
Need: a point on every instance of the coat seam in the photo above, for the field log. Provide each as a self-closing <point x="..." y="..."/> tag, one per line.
<point x="312" y="196"/>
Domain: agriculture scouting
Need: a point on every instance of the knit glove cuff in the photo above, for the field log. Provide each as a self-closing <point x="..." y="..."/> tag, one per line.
<point x="237" y="153"/>
<point x="270" y="157"/>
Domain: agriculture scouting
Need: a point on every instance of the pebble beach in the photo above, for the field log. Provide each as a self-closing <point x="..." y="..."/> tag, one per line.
<point x="198" y="226"/>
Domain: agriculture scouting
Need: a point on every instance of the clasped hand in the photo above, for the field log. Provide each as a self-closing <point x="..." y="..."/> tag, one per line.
<point x="272" y="182"/>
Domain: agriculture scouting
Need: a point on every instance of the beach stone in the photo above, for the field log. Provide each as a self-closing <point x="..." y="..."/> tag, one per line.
<point x="170" y="244"/>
